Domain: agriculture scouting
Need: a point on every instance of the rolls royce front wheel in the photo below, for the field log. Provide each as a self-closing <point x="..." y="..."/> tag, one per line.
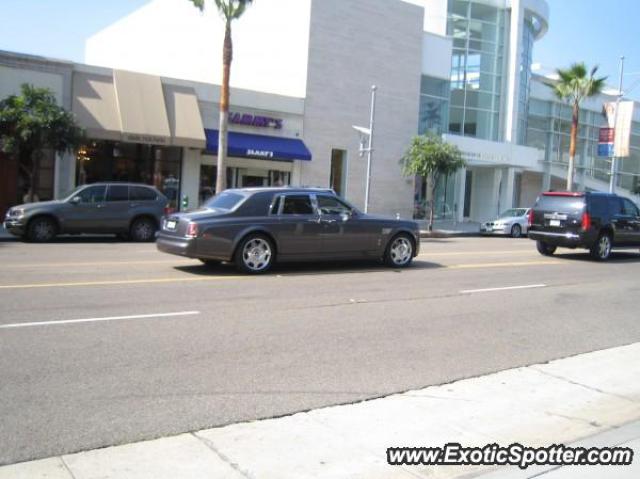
<point x="399" y="252"/>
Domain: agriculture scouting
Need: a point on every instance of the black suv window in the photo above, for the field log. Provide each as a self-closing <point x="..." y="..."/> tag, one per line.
<point x="330" y="205"/>
<point x="561" y="204"/>
<point x="297" y="205"/>
<point x="141" y="193"/>
<point x="118" y="193"/>
<point x="92" y="194"/>
<point x="599" y="206"/>
<point x="630" y="209"/>
<point x="615" y="206"/>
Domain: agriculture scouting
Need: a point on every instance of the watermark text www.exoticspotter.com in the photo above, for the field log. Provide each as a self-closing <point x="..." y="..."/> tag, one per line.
<point x="513" y="455"/>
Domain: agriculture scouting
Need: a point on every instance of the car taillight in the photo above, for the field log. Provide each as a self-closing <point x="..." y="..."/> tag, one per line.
<point x="168" y="210"/>
<point x="530" y="217"/>
<point x="192" y="230"/>
<point x="586" y="221"/>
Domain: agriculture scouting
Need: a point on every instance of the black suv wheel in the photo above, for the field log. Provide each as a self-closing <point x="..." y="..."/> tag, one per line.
<point x="545" y="249"/>
<point x="601" y="249"/>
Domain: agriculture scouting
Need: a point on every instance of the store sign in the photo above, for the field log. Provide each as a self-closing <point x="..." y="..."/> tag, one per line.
<point x="258" y="121"/>
<point x="149" y="139"/>
<point x="260" y="153"/>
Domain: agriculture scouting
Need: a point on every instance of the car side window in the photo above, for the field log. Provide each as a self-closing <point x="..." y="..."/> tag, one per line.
<point x="615" y="206"/>
<point x="92" y="194"/>
<point x="330" y="205"/>
<point x="629" y="208"/>
<point x="140" y="193"/>
<point x="297" y="205"/>
<point x="275" y="206"/>
<point x="118" y="193"/>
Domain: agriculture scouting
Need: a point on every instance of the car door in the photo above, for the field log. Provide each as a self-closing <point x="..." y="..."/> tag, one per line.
<point x="632" y="215"/>
<point x="116" y="209"/>
<point x="299" y="227"/>
<point x="342" y="234"/>
<point x="619" y="221"/>
<point x="86" y="211"/>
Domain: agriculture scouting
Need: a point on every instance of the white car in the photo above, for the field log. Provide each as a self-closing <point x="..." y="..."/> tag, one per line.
<point x="513" y="222"/>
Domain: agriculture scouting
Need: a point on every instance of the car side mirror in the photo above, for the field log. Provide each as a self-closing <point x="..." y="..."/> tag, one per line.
<point x="75" y="200"/>
<point x="344" y="216"/>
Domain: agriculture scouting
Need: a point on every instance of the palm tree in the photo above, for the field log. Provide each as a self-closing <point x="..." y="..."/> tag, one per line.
<point x="574" y="86"/>
<point x="230" y="10"/>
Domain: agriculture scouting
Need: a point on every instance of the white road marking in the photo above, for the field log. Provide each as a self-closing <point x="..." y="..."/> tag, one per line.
<point x="506" y="288"/>
<point x="93" y="320"/>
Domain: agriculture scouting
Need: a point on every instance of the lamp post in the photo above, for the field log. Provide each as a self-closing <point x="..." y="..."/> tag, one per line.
<point x="366" y="134"/>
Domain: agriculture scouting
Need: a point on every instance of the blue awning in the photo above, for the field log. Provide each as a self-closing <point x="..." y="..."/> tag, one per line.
<point x="245" y="145"/>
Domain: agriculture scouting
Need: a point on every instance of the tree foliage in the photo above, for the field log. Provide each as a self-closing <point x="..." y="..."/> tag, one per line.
<point x="432" y="158"/>
<point x="574" y="85"/>
<point x="229" y="9"/>
<point x="32" y="122"/>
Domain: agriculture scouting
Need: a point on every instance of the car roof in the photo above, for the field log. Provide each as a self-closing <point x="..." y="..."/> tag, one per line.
<point x="281" y="189"/>
<point x="122" y="183"/>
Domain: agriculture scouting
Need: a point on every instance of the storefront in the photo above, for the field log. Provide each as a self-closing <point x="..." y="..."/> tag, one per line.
<point x="253" y="161"/>
<point x="138" y="128"/>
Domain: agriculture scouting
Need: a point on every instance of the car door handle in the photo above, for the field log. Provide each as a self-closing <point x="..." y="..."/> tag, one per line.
<point x="328" y="221"/>
<point x="99" y="205"/>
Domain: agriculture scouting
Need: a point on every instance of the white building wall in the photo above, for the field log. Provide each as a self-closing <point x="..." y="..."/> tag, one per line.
<point x="172" y="38"/>
<point x="352" y="46"/>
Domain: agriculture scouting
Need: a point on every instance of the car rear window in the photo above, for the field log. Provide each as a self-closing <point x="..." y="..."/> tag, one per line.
<point x="225" y="201"/>
<point x="561" y="204"/>
<point x="140" y="193"/>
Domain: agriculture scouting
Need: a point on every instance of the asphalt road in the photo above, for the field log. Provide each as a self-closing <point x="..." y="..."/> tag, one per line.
<point x="221" y="348"/>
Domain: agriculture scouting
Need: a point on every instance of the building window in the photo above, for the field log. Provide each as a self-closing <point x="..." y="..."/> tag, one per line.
<point x="134" y="162"/>
<point x="478" y="61"/>
<point x="338" y="175"/>
<point x="434" y="105"/>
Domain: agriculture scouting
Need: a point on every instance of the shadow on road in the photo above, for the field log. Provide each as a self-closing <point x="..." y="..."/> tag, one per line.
<point x="308" y="268"/>
<point x="616" y="257"/>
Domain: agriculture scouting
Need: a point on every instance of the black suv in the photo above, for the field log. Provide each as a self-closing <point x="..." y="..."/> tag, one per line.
<point x="595" y="221"/>
<point x="126" y="209"/>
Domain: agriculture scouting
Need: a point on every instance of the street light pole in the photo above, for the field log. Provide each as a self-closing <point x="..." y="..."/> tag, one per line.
<point x="370" y="148"/>
<point x="612" y="177"/>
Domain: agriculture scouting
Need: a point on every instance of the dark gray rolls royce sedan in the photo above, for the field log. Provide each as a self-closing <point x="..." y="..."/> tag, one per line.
<point x="254" y="227"/>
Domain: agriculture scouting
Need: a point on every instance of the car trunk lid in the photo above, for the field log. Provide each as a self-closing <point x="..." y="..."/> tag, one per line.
<point x="559" y="212"/>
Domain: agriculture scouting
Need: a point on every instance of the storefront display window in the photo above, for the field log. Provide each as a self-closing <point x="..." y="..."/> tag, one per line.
<point x="114" y="161"/>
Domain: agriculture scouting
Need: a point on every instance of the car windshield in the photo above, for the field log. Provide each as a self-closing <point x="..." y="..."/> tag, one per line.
<point x="513" y="212"/>
<point x="225" y="201"/>
<point x="561" y="204"/>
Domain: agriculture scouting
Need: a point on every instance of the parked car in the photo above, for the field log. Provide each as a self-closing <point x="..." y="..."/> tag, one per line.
<point x="255" y="227"/>
<point x="512" y="222"/>
<point x="126" y="209"/>
<point x="595" y="221"/>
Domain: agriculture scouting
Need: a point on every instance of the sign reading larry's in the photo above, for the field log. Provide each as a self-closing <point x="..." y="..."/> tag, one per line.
<point x="259" y="121"/>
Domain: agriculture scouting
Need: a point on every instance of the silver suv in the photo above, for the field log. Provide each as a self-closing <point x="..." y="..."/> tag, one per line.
<point x="125" y="209"/>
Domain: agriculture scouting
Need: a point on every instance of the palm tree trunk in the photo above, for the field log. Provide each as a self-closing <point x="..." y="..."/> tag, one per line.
<point x="227" y="57"/>
<point x="572" y="145"/>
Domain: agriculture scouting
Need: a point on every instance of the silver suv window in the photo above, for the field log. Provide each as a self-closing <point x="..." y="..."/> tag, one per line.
<point x="92" y="194"/>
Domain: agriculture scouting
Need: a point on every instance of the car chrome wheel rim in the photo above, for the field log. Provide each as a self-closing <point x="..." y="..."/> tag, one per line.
<point x="43" y="230"/>
<point x="256" y="254"/>
<point x="401" y="251"/>
<point x="143" y="230"/>
<point x="604" y="247"/>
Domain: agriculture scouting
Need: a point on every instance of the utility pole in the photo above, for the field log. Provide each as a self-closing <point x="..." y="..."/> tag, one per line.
<point x="612" y="177"/>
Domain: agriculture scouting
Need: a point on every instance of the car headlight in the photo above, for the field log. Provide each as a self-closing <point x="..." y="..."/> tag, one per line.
<point x="16" y="212"/>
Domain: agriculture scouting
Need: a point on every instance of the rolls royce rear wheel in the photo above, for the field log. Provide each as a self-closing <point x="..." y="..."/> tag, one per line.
<point x="399" y="253"/>
<point x="255" y="254"/>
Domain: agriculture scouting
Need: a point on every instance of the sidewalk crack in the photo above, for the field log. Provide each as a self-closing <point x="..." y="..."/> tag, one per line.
<point x="66" y="466"/>
<point x="586" y="386"/>
<point x="223" y="457"/>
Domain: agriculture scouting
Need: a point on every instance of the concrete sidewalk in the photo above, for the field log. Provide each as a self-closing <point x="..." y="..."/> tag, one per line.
<point x="589" y="395"/>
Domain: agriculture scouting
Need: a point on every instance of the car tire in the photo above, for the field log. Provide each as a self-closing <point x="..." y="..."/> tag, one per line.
<point x="601" y="249"/>
<point x="255" y="254"/>
<point x="516" y="231"/>
<point x="143" y="230"/>
<point x="399" y="252"/>
<point x="42" y="229"/>
<point x="545" y="249"/>
<point x="211" y="263"/>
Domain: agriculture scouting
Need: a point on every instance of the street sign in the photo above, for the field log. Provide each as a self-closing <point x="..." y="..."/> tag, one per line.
<point x="605" y="149"/>
<point x="606" y="138"/>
